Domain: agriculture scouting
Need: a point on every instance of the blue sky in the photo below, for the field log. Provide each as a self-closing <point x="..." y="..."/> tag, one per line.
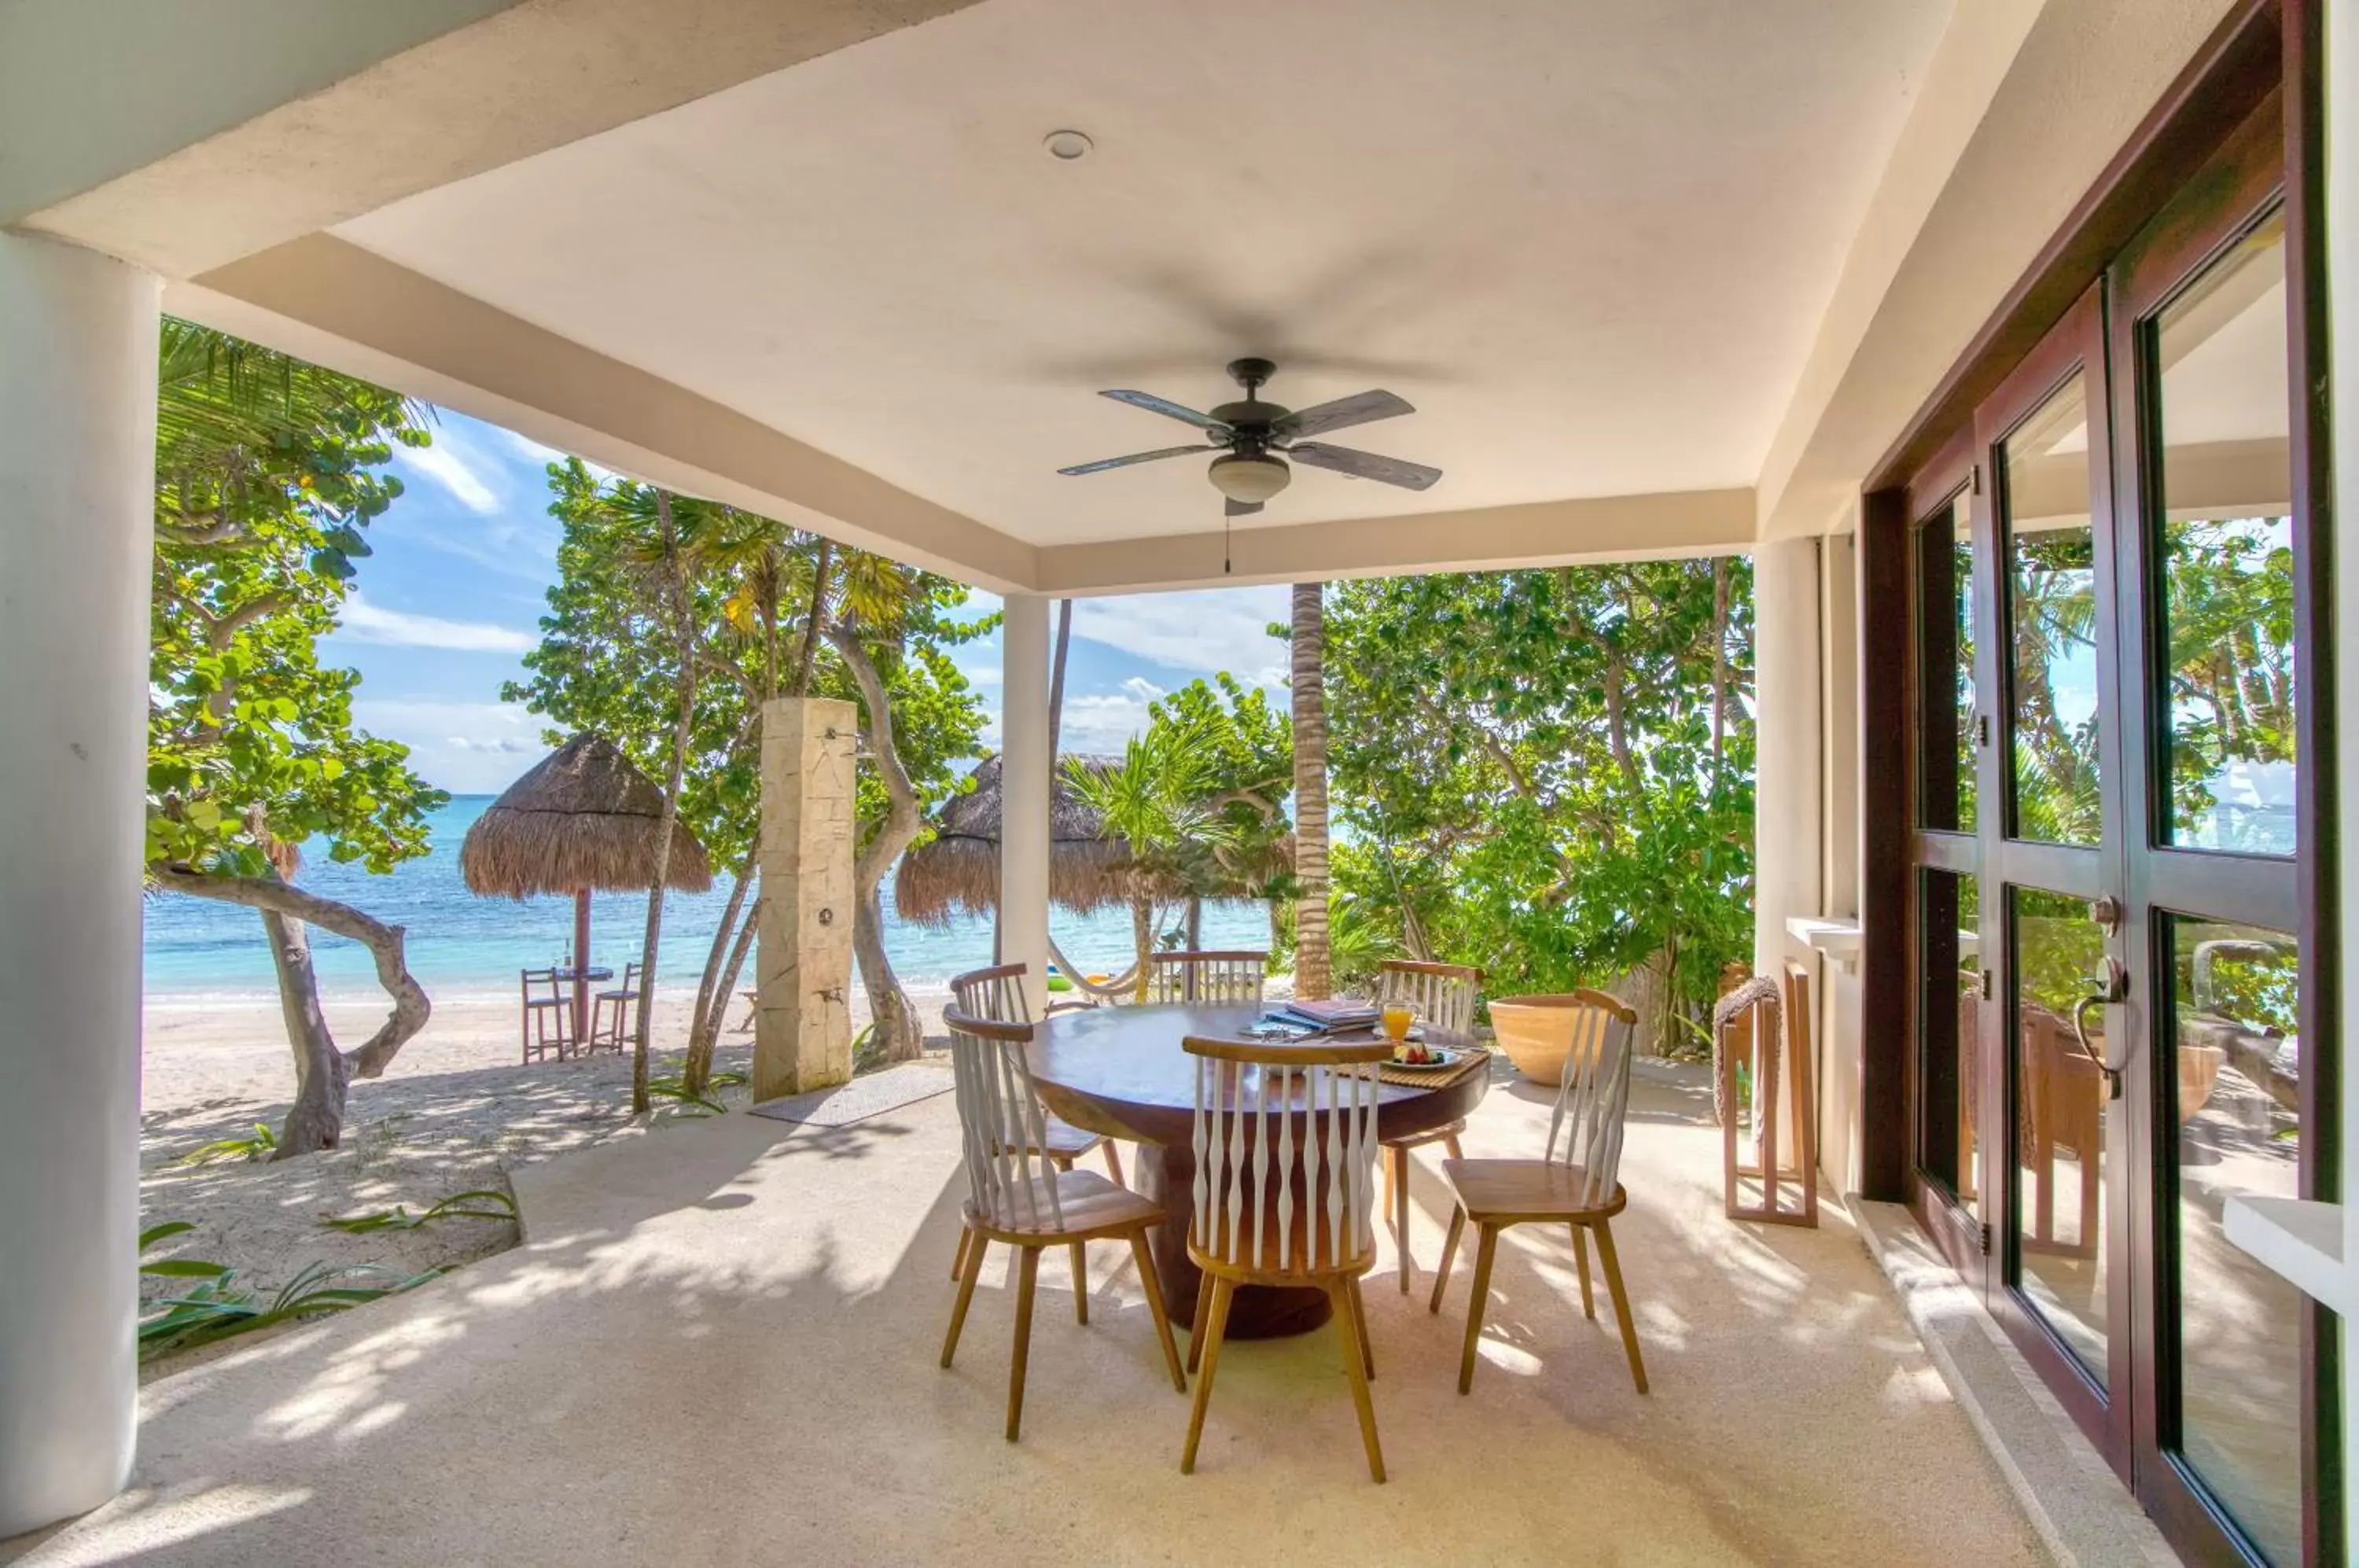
<point x="447" y="606"/>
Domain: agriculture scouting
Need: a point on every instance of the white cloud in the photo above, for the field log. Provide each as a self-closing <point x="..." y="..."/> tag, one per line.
<point x="364" y="622"/>
<point x="1219" y="628"/>
<point x="469" y="748"/>
<point x="1100" y="722"/>
<point x="442" y="464"/>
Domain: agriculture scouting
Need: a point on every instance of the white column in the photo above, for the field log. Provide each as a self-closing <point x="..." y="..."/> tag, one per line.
<point x="77" y="465"/>
<point x="1023" y="792"/>
<point x="1786" y="798"/>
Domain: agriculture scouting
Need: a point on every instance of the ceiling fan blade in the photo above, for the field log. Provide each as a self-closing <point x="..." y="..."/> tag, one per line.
<point x="1242" y="508"/>
<point x="1365" y="466"/>
<point x="1103" y="464"/>
<point x="1359" y="409"/>
<point x="1165" y="406"/>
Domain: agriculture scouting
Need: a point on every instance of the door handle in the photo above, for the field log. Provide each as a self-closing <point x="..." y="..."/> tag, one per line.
<point x="2113" y="984"/>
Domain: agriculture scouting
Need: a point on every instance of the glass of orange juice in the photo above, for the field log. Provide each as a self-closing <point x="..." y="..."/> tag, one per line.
<point x="1398" y="1016"/>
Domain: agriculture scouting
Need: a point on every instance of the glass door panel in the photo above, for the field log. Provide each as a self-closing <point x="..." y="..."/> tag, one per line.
<point x="2226" y="554"/>
<point x="2050" y="546"/>
<point x="2061" y="1116"/>
<point x="1950" y="1029"/>
<point x="1945" y="663"/>
<point x="2236" y="1075"/>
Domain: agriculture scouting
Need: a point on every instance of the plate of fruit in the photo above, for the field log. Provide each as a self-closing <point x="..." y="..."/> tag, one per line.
<point x="1416" y="1053"/>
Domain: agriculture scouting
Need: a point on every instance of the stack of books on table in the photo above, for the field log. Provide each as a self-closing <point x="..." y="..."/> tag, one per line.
<point x="1328" y="1017"/>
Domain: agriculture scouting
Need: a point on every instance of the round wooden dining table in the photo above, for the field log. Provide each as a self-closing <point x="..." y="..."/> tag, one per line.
<point x="1122" y="1072"/>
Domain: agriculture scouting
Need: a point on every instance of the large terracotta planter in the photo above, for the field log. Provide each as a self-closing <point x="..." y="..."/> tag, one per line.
<point x="1536" y="1032"/>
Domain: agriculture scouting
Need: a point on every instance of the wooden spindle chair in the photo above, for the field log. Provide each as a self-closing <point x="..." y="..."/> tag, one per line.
<point x="1576" y="1183"/>
<point x="1444" y="997"/>
<point x="997" y="993"/>
<point x="1016" y="1197"/>
<point x="1206" y="977"/>
<point x="548" y="1017"/>
<point x="1286" y="1155"/>
<point x="610" y="1010"/>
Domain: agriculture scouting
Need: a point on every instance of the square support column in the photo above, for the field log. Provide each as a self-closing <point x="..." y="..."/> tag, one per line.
<point x="78" y="346"/>
<point x="803" y="1012"/>
<point x="1786" y="805"/>
<point x="1023" y="781"/>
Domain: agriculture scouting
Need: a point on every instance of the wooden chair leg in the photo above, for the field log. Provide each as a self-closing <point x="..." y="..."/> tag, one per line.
<point x="1347" y="1320"/>
<point x="1400" y="1212"/>
<point x="958" y="1263"/>
<point x="1154" y="1286"/>
<point x="1029" y="1273"/>
<point x="1391" y="1173"/>
<point x="1196" y="1324"/>
<point x="1620" y="1303"/>
<point x="1360" y="1327"/>
<point x="1581" y="1260"/>
<point x="1448" y="1252"/>
<point x="971" y="1255"/>
<point x="1062" y="1162"/>
<point x="1114" y="1162"/>
<point x="1450" y="1142"/>
<point x="1482" y="1299"/>
<point x="1081" y="1284"/>
<point x="1216" y="1323"/>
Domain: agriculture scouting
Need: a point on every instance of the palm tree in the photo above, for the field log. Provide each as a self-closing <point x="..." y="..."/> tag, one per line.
<point x="1312" y="965"/>
<point x="1160" y="801"/>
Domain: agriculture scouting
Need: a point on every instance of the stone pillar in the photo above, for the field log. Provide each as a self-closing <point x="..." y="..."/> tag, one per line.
<point x="1786" y="797"/>
<point x="1023" y="793"/>
<point x="802" y="1011"/>
<point x="77" y="475"/>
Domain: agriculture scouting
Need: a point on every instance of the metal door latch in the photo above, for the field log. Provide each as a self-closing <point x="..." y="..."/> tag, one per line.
<point x="2113" y="984"/>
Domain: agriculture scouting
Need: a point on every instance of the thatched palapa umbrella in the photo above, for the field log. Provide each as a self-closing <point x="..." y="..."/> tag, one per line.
<point x="1089" y="868"/>
<point x="959" y="871"/>
<point x="583" y="821"/>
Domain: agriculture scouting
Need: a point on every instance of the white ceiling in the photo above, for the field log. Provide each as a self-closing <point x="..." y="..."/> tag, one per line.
<point x="1591" y="240"/>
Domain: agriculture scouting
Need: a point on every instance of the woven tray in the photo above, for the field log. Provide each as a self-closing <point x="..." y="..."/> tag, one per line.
<point x="1478" y="1060"/>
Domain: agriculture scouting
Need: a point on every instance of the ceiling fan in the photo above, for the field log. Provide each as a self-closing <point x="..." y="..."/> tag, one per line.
<point x="1250" y="436"/>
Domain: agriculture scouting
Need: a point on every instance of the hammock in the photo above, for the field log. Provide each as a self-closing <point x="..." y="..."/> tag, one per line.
<point x="1120" y="989"/>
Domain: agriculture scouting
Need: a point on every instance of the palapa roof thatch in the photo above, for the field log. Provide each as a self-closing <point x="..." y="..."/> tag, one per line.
<point x="958" y="870"/>
<point x="584" y="818"/>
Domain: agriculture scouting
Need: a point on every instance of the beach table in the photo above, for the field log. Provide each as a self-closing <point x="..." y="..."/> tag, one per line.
<point x="582" y="980"/>
<point x="1121" y="1071"/>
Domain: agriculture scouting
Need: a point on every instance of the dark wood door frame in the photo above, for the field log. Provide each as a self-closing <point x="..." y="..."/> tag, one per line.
<point x="2265" y="50"/>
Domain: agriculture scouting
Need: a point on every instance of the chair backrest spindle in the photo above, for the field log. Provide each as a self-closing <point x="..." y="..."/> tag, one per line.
<point x="1592" y="1100"/>
<point x="1206" y="977"/>
<point x="1443" y="994"/>
<point x="1001" y="1124"/>
<point x="1285" y="1139"/>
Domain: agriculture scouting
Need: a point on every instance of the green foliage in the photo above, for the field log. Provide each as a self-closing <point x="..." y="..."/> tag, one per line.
<point x="481" y="1204"/>
<point x="219" y="1308"/>
<point x="259" y="1147"/>
<point x="1163" y="798"/>
<point x="1526" y="775"/>
<point x="1238" y="767"/>
<point x="606" y="663"/>
<point x="267" y="473"/>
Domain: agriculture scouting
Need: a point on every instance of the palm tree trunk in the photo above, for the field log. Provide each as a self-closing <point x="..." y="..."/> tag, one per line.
<point x="899" y="1034"/>
<point x="1057" y="679"/>
<point x="1142" y="937"/>
<point x="704" y="1024"/>
<point x="1312" y="970"/>
<point x="685" y="695"/>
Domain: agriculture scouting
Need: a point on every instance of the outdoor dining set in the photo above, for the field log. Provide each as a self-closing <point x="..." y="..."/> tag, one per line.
<point x="563" y="1017"/>
<point x="1262" y="1136"/>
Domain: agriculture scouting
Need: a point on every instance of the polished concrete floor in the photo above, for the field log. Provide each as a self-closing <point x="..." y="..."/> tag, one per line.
<point x="718" y="1345"/>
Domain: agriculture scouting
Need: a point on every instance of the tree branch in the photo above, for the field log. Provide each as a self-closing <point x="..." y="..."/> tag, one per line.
<point x="412" y="1006"/>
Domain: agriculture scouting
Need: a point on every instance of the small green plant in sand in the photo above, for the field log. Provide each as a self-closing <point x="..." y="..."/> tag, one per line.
<point x="217" y="1308"/>
<point x="261" y="1145"/>
<point x="481" y="1204"/>
<point x="705" y="1104"/>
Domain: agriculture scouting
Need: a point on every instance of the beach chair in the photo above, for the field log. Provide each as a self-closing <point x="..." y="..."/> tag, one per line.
<point x="548" y="1017"/>
<point x="607" y="1031"/>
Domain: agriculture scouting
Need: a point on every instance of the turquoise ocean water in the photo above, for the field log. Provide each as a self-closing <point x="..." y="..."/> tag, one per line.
<point x="460" y="943"/>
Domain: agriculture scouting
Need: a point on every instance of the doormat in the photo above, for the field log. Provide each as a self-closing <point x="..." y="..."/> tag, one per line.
<point x="863" y="1097"/>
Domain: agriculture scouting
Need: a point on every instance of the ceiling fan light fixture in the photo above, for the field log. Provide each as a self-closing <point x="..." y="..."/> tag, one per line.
<point x="1250" y="479"/>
